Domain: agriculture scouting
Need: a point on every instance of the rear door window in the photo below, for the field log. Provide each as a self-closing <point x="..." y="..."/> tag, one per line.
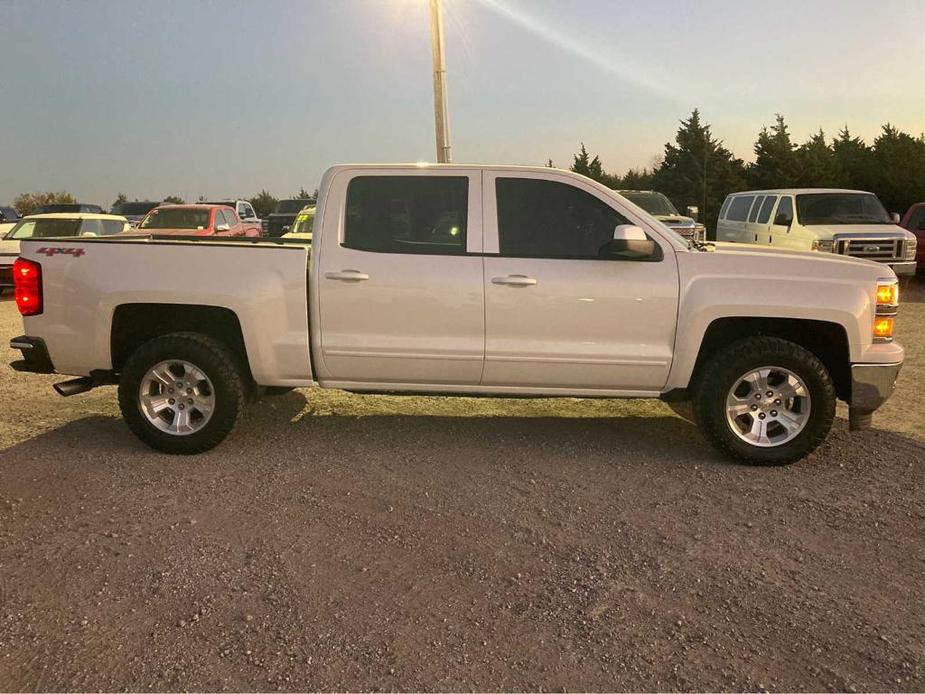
<point x="756" y="208"/>
<point x="738" y="209"/>
<point x="407" y="214"/>
<point x="764" y="215"/>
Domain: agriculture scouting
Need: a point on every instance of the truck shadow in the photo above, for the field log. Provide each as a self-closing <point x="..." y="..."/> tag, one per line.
<point x="284" y="432"/>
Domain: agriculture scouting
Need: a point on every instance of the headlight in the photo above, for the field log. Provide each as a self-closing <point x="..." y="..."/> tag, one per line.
<point x="824" y="245"/>
<point x="887" y="296"/>
<point x="911" y="245"/>
<point x="887" y="307"/>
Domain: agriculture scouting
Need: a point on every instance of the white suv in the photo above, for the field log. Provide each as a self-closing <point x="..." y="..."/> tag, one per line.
<point x="848" y="222"/>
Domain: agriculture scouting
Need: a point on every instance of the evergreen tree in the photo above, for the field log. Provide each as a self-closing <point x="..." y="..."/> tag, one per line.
<point x="120" y="198"/>
<point x="636" y="179"/>
<point x="816" y="164"/>
<point x="698" y="170"/>
<point x="585" y="165"/>
<point x="775" y="159"/>
<point x="263" y="203"/>
<point x="174" y="199"/>
<point x="898" y="169"/>
<point x="854" y="161"/>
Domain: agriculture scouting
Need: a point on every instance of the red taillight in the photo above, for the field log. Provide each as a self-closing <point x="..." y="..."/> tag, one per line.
<point x="27" y="278"/>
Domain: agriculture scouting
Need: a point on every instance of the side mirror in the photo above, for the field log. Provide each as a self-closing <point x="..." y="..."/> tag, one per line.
<point x="895" y="217"/>
<point x="693" y="212"/>
<point x="286" y="229"/>
<point x="783" y="220"/>
<point x="630" y="243"/>
<point x="223" y="227"/>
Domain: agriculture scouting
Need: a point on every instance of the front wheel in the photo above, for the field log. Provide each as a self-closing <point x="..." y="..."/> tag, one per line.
<point x="182" y="393"/>
<point x="765" y="401"/>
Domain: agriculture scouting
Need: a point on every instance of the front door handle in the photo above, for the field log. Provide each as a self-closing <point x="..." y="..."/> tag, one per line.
<point x="514" y="280"/>
<point x="347" y="276"/>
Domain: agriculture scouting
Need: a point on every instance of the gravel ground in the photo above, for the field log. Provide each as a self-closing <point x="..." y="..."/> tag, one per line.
<point x="346" y="542"/>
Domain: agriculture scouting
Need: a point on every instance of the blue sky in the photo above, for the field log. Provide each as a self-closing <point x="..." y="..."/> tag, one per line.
<point x="225" y="97"/>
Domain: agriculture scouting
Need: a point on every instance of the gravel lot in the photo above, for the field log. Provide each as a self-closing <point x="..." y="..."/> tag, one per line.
<point x="345" y="542"/>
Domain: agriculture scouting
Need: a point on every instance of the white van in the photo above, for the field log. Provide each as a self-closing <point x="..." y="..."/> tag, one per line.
<point x="849" y="222"/>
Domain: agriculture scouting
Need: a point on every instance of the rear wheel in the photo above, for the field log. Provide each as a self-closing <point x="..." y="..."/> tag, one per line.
<point x="765" y="401"/>
<point x="182" y="393"/>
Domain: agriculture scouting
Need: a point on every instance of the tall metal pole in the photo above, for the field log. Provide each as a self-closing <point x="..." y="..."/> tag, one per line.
<point x="441" y="109"/>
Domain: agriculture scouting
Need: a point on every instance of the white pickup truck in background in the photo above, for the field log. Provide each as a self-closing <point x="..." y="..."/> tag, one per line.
<point x="476" y="280"/>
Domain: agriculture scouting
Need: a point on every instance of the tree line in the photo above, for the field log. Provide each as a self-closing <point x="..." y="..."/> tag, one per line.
<point x="264" y="202"/>
<point x="696" y="169"/>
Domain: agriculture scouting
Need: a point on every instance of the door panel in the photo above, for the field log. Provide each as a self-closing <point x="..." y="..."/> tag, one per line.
<point x="571" y="322"/>
<point x="413" y="317"/>
<point x="584" y="323"/>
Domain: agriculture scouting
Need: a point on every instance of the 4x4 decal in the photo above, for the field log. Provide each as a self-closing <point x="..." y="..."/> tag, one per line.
<point x="47" y="250"/>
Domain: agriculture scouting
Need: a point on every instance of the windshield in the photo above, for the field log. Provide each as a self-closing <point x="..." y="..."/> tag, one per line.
<point x="44" y="228"/>
<point x="176" y="218"/>
<point x="653" y="203"/>
<point x="134" y="209"/>
<point x="290" y="206"/>
<point x="841" y="208"/>
<point x="304" y="222"/>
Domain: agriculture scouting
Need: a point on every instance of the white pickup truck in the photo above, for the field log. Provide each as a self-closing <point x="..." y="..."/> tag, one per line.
<point x="473" y="280"/>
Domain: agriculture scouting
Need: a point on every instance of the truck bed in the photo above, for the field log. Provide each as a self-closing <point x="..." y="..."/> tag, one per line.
<point x="85" y="280"/>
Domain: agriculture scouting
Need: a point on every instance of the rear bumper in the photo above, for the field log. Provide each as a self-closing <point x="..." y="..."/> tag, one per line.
<point x="872" y="385"/>
<point x="35" y="357"/>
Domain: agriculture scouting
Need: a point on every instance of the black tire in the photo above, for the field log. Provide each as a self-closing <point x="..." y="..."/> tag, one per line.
<point x="215" y="360"/>
<point x="725" y="368"/>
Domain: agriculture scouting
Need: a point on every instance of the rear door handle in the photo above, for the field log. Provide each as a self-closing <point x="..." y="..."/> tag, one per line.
<point x="347" y="276"/>
<point x="514" y="280"/>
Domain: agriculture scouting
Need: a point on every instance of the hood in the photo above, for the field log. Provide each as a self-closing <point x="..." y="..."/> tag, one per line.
<point x="756" y="261"/>
<point x="675" y="220"/>
<point x="828" y="231"/>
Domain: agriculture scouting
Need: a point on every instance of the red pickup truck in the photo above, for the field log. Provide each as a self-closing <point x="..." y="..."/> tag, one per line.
<point x="196" y="220"/>
<point x="914" y="221"/>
